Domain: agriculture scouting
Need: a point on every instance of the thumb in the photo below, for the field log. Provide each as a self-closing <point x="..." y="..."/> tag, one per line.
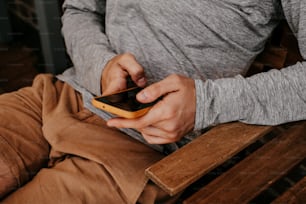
<point x="156" y="90"/>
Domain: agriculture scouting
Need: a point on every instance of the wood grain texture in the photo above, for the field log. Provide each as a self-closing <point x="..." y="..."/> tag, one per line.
<point x="181" y="168"/>
<point x="296" y="194"/>
<point x="258" y="171"/>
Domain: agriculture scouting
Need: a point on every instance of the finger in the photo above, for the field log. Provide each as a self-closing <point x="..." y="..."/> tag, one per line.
<point x="129" y="63"/>
<point x="156" y="90"/>
<point x="156" y="140"/>
<point x="123" y="123"/>
<point x="155" y="114"/>
<point x="116" y="84"/>
<point x="113" y="88"/>
<point x="153" y="131"/>
<point x="126" y="123"/>
<point x="159" y="132"/>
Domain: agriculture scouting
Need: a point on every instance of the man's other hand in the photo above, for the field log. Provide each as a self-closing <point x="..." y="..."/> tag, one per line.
<point x="116" y="72"/>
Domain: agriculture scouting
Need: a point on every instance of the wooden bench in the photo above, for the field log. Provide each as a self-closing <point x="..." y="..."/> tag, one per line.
<point x="240" y="163"/>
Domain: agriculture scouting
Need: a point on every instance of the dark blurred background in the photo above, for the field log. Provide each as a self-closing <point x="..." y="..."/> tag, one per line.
<point x="30" y="41"/>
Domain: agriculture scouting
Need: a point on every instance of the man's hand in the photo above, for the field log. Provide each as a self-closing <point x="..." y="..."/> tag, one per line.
<point x="116" y="71"/>
<point x="171" y="118"/>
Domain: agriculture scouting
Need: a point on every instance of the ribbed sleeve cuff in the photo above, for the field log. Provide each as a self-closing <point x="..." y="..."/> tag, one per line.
<point x="221" y="101"/>
<point x="200" y="106"/>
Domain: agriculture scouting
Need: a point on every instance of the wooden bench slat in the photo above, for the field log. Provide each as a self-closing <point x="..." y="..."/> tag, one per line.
<point x="178" y="170"/>
<point x="259" y="170"/>
<point x="296" y="194"/>
<point x="274" y="57"/>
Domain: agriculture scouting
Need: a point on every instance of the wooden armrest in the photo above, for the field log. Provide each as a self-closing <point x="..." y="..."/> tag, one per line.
<point x="296" y="194"/>
<point x="258" y="171"/>
<point x="178" y="170"/>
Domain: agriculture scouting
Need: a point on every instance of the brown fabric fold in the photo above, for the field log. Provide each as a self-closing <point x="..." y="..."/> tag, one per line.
<point x="88" y="162"/>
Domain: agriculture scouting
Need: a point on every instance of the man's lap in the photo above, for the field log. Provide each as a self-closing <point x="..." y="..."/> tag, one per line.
<point x="85" y="155"/>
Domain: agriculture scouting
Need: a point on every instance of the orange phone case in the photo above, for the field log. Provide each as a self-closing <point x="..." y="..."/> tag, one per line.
<point x="118" y="111"/>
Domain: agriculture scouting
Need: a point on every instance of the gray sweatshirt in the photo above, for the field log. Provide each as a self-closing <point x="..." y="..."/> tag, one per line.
<point x="213" y="42"/>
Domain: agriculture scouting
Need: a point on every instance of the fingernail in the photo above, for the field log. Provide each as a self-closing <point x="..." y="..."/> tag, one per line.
<point x="142" y="81"/>
<point x="142" y="96"/>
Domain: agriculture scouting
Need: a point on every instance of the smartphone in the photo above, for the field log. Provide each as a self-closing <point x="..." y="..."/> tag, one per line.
<point x="123" y="103"/>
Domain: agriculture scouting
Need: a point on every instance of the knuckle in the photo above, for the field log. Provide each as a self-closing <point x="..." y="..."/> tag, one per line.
<point x="127" y="56"/>
<point x="176" y="78"/>
<point x="173" y="136"/>
<point x="172" y="128"/>
<point x="137" y="71"/>
<point x="157" y="90"/>
<point x="154" y="91"/>
<point x="170" y="113"/>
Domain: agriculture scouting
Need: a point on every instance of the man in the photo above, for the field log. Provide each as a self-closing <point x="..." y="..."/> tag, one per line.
<point x="192" y="53"/>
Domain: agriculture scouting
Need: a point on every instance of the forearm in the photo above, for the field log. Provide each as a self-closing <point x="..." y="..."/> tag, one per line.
<point x="86" y="42"/>
<point x="268" y="98"/>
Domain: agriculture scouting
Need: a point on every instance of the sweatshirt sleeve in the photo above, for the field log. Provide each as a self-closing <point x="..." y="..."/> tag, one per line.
<point x="271" y="98"/>
<point x="86" y="43"/>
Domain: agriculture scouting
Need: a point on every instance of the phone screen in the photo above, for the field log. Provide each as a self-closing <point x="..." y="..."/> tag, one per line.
<point x="125" y="100"/>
